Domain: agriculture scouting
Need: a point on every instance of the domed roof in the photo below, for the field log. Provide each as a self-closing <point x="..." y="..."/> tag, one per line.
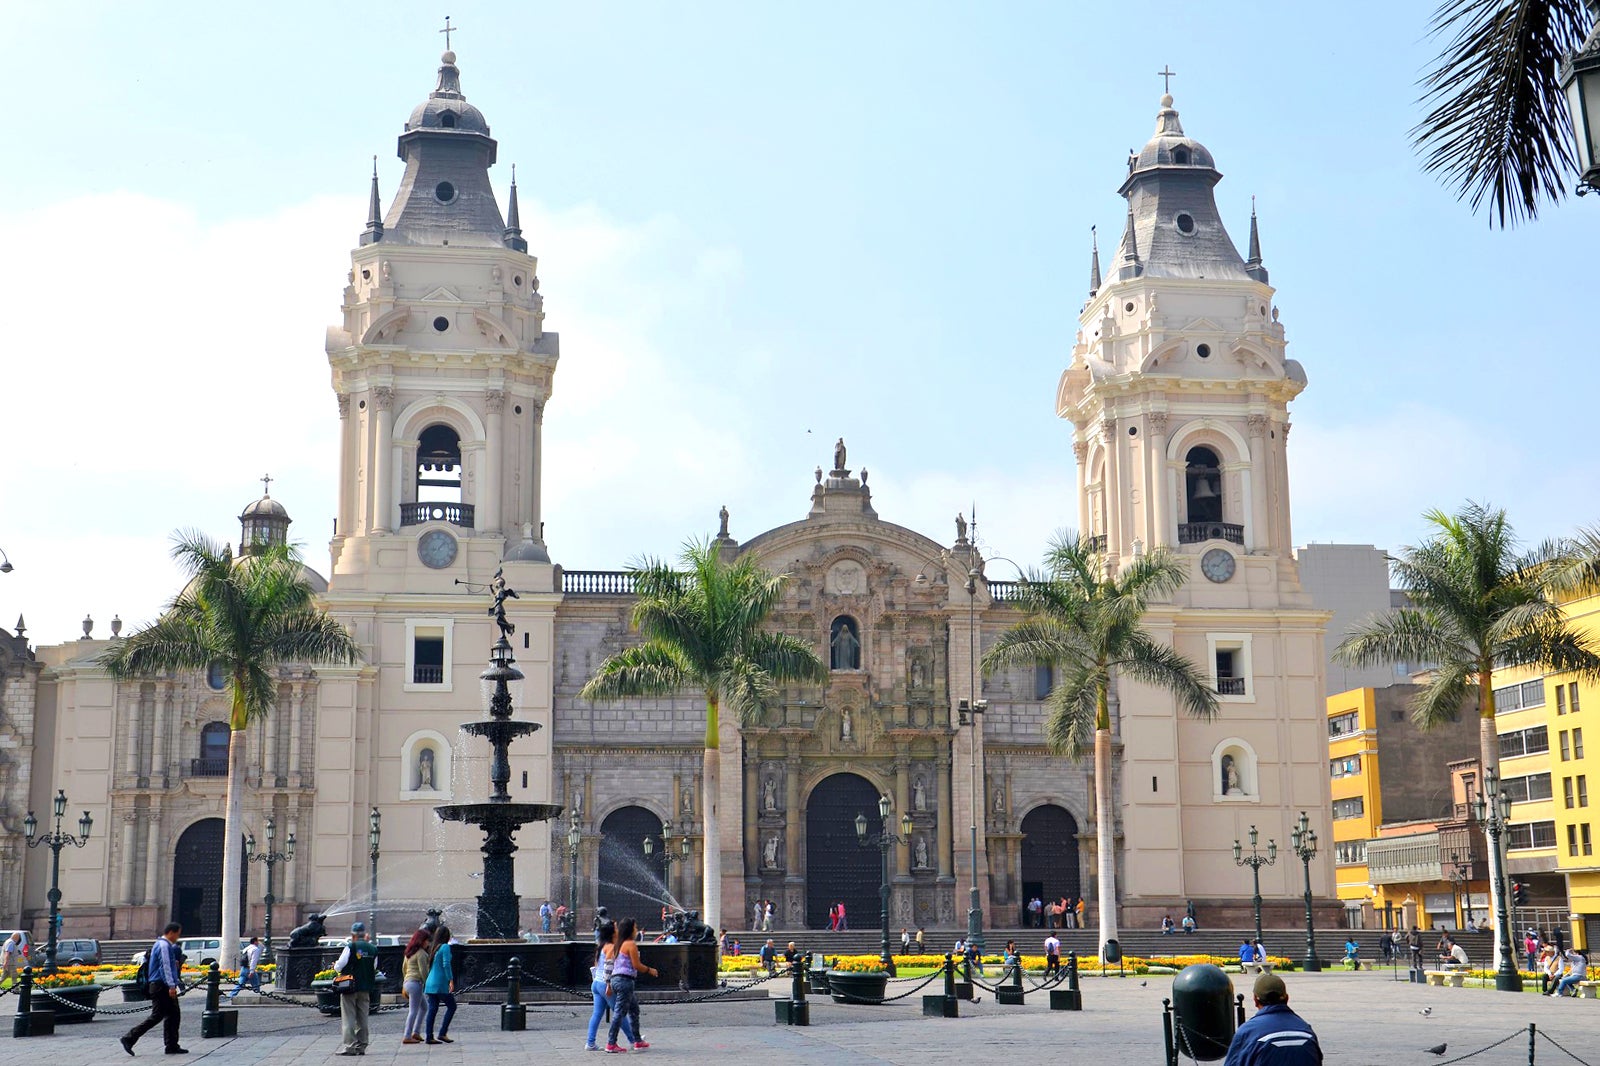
<point x="446" y="108"/>
<point x="266" y="507"/>
<point x="1169" y="146"/>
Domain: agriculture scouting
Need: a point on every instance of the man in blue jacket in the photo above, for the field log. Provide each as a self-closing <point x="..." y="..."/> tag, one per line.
<point x="1275" y="1035"/>
<point x="165" y="983"/>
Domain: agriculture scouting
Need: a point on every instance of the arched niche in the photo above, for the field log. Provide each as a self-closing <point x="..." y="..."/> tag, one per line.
<point x="1235" y="772"/>
<point x="844" y="644"/>
<point x="425" y="757"/>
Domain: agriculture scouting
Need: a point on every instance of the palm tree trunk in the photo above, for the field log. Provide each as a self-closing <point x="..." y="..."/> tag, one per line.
<point x="1489" y="759"/>
<point x="1105" y="838"/>
<point x="710" y="784"/>
<point x="232" y="860"/>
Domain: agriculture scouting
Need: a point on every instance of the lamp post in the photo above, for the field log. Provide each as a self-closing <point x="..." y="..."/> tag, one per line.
<point x="55" y="841"/>
<point x="886" y="840"/>
<point x="1255" y="860"/>
<point x="574" y="838"/>
<point x="1304" y="842"/>
<point x="271" y="858"/>
<point x="968" y="712"/>
<point x="1462" y="876"/>
<point x="1580" y="79"/>
<point x="374" y="835"/>
<point x="667" y="856"/>
<point x="5" y="563"/>
<point x="1492" y="808"/>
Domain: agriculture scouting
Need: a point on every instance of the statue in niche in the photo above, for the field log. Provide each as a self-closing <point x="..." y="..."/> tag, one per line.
<point x="769" y="852"/>
<point x="688" y="802"/>
<point x="922" y="853"/>
<point x="769" y="795"/>
<point x="918" y="676"/>
<point x="846" y="645"/>
<point x="838" y="454"/>
<point x="577" y="801"/>
<point x="425" y="769"/>
<point x="999" y="799"/>
<point x="919" y="794"/>
<point x="844" y="724"/>
<point x="1230" y="777"/>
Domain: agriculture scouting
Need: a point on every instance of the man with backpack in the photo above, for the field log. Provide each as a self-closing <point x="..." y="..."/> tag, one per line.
<point x="249" y="975"/>
<point x="359" y="960"/>
<point x="164" y="983"/>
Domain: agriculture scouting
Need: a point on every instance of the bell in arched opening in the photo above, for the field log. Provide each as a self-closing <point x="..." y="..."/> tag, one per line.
<point x="1203" y="485"/>
<point x="439" y="465"/>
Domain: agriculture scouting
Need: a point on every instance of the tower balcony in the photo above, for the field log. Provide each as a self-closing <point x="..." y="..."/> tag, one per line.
<point x="457" y="514"/>
<point x="1200" y="532"/>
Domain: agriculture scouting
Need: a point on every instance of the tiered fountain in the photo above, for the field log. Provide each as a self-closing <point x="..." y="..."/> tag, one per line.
<point x="500" y="816"/>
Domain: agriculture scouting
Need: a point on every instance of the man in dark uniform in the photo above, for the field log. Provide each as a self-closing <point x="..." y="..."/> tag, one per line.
<point x="1275" y="1035"/>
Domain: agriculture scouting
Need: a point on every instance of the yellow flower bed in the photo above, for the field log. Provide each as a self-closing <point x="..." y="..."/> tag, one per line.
<point x="741" y="963"/>
<point x="65" y="978"/>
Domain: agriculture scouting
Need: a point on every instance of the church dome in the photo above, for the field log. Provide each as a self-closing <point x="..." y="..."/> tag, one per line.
<point x="266" y="507"/>
<point x="446" y="108"/>
<point x="1169" y="146"/>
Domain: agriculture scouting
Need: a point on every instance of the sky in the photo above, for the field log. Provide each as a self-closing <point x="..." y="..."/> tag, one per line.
<point x="760" y="227"/>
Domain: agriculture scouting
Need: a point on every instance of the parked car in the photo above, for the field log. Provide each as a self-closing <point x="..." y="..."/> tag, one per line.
<point x="78" y="952"/>
<point x="382" y="940"/>
<point x="196" y="950"/>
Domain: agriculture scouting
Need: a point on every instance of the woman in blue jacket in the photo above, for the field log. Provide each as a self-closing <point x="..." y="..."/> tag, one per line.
<point x="441" y="986"/>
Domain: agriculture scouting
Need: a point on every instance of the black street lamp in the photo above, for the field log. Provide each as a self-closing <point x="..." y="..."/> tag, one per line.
<point x="886" y="842"/>
<point x="271" y="858"/>
<point x="374" y="835"/>
<point x="1580" y="78"/>
<point x="1304" y="842"/>
<point x="667" y="855"/>
<point x="1493" y="815"/>
<point x="1255" y="860"/>
<point x="574" y="839"/>
<point x="968" y="712"/>
<point x="1462" y="876"/>
<point x="55" y="841"/>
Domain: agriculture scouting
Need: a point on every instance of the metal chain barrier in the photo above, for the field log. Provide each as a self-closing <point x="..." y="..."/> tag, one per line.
<point x="1480" y="1051"/>
<point x="1561" y="1049"/>
<point x="925" y="982"/>
<point x="137" y="1008"/>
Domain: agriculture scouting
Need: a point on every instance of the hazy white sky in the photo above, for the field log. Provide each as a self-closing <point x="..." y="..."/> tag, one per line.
<point x="760" y="227"/>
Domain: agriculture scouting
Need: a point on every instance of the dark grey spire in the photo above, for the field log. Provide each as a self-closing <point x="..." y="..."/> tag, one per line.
<point x="374" y="232"/>
<point x="1094" y="263"/>
<point x="514" y="239"/>
<point x="1131" y="266"/>
<point x="1252" y="266"/>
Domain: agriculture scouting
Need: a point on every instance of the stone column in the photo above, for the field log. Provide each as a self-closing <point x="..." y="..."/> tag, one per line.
<point x="295" y="760"/>
<point x="383" y="460"/>
<point x="536" y="475"/>
<point x="1282" y="481"/>
<point x="291" y="869"/>
<point x="1113" y="487"/>
<point x="347" y="462"/>
<point x="752" y="816"/>
<point x="1160" y="491"/>
<point x="792" y="828"/>
<point x="489" y="490"/>
<point x="1260" y="528"/>
<point x="129" y="852"/>
<point x="946" y="855"/>
<point x="154" y="855"/>
<point x="158" y="747"/>
<point x="1080" y="454"/>
<point x="902" y="805"/>
<point x="133" y="707"/>
<point x="269" y="743"/>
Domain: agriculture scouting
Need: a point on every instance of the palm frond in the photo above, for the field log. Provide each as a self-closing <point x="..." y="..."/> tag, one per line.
<point x="1404" y="635"/>
<point x="1070" y="710"/>
<point x="1034" y="640"/>
<point x="1439" y="702"/>
<point x="746" y="689"/>
<point x="1163" y="666"/>
<point x="786" y="658"/>
<point x="651" y="669"/>
<point x="1497" y="127"/>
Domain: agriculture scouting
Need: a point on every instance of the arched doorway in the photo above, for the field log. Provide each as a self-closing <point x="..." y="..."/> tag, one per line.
<point x="197" y="879"/>
<point x="837" y="868"/>
<point x="631" y="885"/>
<point x="1050" y="854"/>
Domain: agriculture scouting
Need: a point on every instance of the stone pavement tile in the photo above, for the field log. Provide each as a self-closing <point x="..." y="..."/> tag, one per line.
<point x="1362" y="1019"/>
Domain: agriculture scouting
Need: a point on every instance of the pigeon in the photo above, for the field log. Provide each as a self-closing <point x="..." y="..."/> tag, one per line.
<point x="1437" y="1049"/>
<point x="1425" y="1011"/>
<point x="1143" y="984"/>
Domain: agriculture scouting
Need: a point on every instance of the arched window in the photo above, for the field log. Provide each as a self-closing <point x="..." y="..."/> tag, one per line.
<point x="447" y="119"/>
<point x="1234" y="771"/>
<point x="1203" y="485"/>
<point x="844" y="644"/>
<point x="1180" y="155"/>
<point x="1044" y="679"/>
<point x="217" y="675"/>
<point x="213" y="757"/>
<point x="439" y="465"/>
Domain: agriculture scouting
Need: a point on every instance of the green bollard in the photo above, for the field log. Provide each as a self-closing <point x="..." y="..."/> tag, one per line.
<point x="30" y="1022"/>
<point x="945" y="1005"/>
<point x="215" y="1022"/>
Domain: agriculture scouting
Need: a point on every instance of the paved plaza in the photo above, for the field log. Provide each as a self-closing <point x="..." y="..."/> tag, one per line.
<point x="1361" y="1019"/>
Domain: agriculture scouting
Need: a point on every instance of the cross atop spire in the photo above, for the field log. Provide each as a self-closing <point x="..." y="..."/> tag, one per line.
<point x="447" y="31"/>
<point x="266" y="484"/>
<point x="1166" y="74"/>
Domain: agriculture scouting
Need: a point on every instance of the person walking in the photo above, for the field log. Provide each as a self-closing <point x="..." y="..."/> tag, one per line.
<point x="919" y="940"/>
<point x="1078" y="914"/>
<point x="359" y="959"/>
<point x="1414" y="943"/>
<point x="905" y="941"/>
<point x="1274" y="1035"/>
<point x="10" y="959"/>
<point x="833" y="917"/>
<point x="625" y="971"/>
<point x="413" y="976"/>
<point x="1052" y="954"/>
<point x="440" y="987"/>
<point x="164" y="982"/>
<point x="248" y="974"/>
<point x="544" y="917"/>
<point x="600" y="987"/>
<point x="1386" y="946"/>
<point x="766" y="919"/>
<point x="1036" y="912"/>
<point x="843" y="925"/>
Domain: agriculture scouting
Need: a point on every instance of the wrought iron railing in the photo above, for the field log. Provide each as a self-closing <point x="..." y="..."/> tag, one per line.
<point x="1097" y="542"/>
<point x="209" y="767"/>
<point x="427" y="675"/>
<point x="457" y="514"/>
<point x="599" y="582"/>
<point x="1199" y="532"/>
<point x="1230" y="686"/>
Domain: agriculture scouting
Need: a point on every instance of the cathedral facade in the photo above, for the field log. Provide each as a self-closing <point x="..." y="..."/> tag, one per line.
<point x="1177" y="393"/>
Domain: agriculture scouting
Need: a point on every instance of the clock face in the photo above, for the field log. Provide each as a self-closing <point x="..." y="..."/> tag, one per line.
<point x="1217" y="564"/>
<point x="437" y="549"/>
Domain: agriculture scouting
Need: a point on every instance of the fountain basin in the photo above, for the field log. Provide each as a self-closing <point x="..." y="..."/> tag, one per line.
<point x="500" y="730"/>
<point x="563" y="965"/>
<point x="507" y="813"/>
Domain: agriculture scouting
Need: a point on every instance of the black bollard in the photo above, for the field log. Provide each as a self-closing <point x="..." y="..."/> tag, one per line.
<point x="795" y="1010"/>
<point x="964" y="986"/>
<point x="1009" y="990"/>
<point x="215" y="1022"/>
<point x="1069" y="998"/>
<point x="1169" y="1037"/>
<point x="30" y="1022"/>
<point x="946" y="1004"/>
<point x="513" y="1015"/>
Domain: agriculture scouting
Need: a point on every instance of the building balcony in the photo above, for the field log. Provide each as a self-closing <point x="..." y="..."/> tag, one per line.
<point x="1200" y="532"/>
<point x="1097" y="542"/>
<point x="457" y="514"/>
<point x="1404" y="860"/>
<point x="427" y="675"/>
<point x="211" y="767"/>
<point x="599" y="582"/>
<point x="1230" y="686"/>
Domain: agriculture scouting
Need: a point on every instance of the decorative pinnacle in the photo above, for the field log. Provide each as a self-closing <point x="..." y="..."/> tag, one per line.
<point x="1253" y="265"/>
<point x="1094" y="262"/>
<point x="513" y="235"/>
<point x="374" y="231"/>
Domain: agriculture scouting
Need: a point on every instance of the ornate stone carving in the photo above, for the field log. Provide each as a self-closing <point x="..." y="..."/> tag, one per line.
<point x="1080" y="451"/>
<point x="1158" y="422"/>
<point x="846" y="578"/>
<point x="1108" y="428"/>
<point x="383" y="397"/>
<point x="494" y="401"/>
<point x="344" y="405"/>
<point x="1257" y="425"/>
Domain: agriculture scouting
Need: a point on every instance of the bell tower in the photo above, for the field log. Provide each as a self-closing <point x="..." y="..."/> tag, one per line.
<point x="441" y="363"/>
<point x="1178" y="393"/>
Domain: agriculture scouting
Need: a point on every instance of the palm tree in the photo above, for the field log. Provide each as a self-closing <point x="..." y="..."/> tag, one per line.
<point x="1477" y="602"/>
<point x="1497" y="126"/>
<point x="1088" y="624"/>
<point x="246" y="614"/>
<point x="704" y="627"/>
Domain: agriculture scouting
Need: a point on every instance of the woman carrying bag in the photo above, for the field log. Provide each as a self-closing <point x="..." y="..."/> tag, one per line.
<point x="419" y="957"/>
<point x="625" y="970"/>
<point x="600" y="985"/>
<point x="441" y="986"/>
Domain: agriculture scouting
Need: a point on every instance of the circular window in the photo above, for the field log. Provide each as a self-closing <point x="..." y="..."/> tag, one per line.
<point x="366" y="275"/>
<point x="1185" y="223"/>
<point x="217" y="676"/>
<point x="1203" y="351"/>
<point x="517" y="409"/>
<point x="1133" y="431"/>
<point x="516" y="279"/>
<point x="362" y="405"/>
<point x="1128" y="307"/>
<point x="441" y="323"/>
<point x="444" y="192"/>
